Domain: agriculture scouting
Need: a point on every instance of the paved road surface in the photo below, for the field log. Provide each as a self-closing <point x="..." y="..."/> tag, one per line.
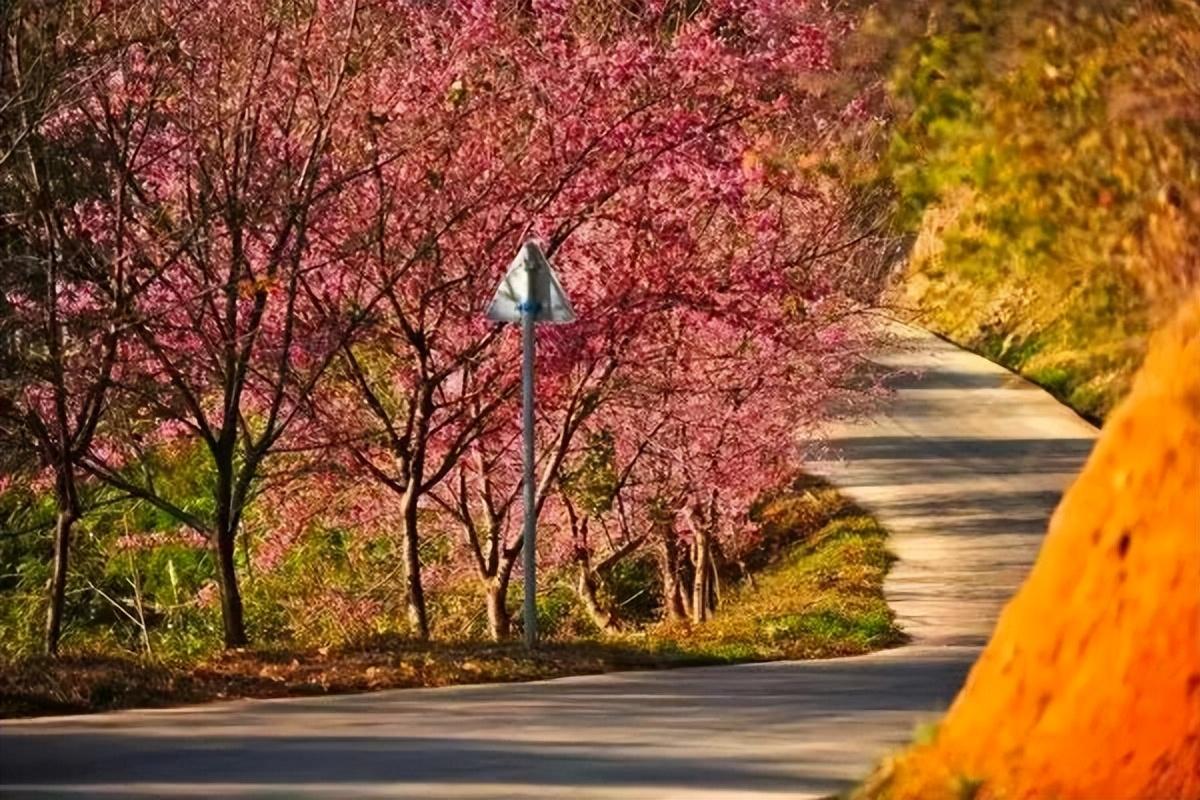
<point x="965" y="465"/>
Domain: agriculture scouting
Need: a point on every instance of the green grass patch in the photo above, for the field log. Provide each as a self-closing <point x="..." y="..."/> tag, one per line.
<point x="822" y="597"/>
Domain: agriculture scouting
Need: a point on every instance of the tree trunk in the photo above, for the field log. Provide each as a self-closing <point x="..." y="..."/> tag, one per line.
<point x="701" y="579"/>
<point x="418" y="618"/>
<point x="685" y="585"/>
<point x="58" y="580"/>
<point x="672" y="586"/>
<point x="224" y="542"/>
<point x="676" y="607"/>
<point x="715" y="559"/>
<point x="587" y="588"/>
<point x="499" y="617"/>
<point x="232" y="618"/>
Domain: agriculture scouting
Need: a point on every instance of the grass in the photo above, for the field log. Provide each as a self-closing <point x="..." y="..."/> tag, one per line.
<point x="813" y="588"/>
<point x="822" y="598"/>
<point x="1085" y="363"/>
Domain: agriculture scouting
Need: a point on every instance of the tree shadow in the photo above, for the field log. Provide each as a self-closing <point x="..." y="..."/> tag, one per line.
<point x="902" y="460"/>
<point x="656" y="732"/>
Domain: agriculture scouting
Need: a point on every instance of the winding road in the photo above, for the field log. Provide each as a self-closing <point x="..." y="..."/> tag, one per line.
<point x="964" y="463"/>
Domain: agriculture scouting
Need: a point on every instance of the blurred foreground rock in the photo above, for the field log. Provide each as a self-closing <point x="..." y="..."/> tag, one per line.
<point x="1090" y="685"/>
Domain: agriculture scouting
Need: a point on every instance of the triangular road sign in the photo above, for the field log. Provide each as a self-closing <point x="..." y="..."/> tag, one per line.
<point x="530" y="285"/>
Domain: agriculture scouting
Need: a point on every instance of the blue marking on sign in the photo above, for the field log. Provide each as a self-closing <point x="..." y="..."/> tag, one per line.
<point x="529" y="306"/>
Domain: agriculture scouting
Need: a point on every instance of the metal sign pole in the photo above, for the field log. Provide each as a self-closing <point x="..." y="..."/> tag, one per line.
<point x="529" y="545"/>
<point x="530" y="294"/>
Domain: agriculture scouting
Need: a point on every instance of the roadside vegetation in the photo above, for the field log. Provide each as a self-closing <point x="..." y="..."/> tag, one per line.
<point x="248" y="397"/>
<point x="811" y="588"/>
<point x="818" y="599"/>
<point x="1044" y="161"/>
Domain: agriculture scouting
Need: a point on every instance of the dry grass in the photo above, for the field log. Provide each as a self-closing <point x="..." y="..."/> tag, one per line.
<point x="87" y="683"/>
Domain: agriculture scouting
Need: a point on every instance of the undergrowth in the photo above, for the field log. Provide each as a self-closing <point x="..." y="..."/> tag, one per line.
<point x="812" y="588"/>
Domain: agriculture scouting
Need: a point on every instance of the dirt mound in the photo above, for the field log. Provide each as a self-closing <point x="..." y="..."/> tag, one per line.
<point x="1090" y="686"/>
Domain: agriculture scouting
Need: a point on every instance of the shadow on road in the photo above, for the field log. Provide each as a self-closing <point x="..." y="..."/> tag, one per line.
<point x="759" y="727"/>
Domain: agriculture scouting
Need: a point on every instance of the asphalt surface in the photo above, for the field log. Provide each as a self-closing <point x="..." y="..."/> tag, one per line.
<point x="964" y="463"/>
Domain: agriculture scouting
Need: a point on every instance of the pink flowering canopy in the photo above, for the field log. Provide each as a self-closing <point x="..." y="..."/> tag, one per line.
<point x="321" y="201"/>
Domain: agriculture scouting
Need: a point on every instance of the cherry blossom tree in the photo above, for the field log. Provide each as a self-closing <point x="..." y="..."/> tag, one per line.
<point x="322" y="197"/>
<point x="69" y="284"/>
<point x="637" y="158"/>
<point x="710" y="418"/>
<point x="250" y="154"/>
<point x="491" y="122"/>
<point x="723" y="435"/>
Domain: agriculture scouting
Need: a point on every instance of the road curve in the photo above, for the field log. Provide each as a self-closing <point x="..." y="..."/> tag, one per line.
<point x="964" y="464"/>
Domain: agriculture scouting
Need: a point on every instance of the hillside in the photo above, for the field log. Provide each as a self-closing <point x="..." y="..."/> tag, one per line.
<point x="1044" y="164"/>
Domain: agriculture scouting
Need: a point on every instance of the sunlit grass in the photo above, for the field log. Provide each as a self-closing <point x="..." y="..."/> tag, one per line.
<point x="822" y="597"/>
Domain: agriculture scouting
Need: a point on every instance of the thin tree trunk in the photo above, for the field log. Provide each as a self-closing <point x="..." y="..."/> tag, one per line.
<point x="499" y="617"/>
<point x="714" y="571"/>
<point x="232" y="617"/>
<point x="224" y="542"/>
<point x="701" y="579"/>
<point x="676" y="607"/>
<point x="418" y="617"/>
<point x="58" y="580"/>
<point x="587" y="587"/>
<point x="685" y="588"/>
<point x="672" y="586"/>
